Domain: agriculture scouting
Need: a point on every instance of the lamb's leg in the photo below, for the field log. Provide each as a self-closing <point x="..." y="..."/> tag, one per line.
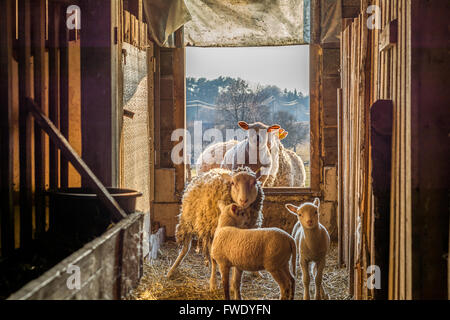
<point x="212" y="281"/>
<point x="306" y="278"/>
<point x="225" y="274"/>
<point x="236" y="283"/>
<point x="280" y="278"/>
<point x="291" y="279"/>
<point x="183" y="252"/>
<point x="320" y="292"/>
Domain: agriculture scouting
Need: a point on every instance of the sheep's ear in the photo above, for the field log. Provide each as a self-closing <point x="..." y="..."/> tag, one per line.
<point x="292" y="209"/>
<point x="283" y="135"/>
<point x="234" y="209"/>
<point x="243" y="125"/>
<point x="317" y="202"/>
<point x="273" y="128"/>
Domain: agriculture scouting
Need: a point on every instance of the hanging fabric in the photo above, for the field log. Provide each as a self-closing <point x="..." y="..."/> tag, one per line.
<point x="245" y="23"/>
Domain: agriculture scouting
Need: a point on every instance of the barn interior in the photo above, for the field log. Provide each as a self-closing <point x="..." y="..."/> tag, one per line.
<point x="91" y="92"/>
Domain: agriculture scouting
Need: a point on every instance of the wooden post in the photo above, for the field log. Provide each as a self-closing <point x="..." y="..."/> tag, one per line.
<point x="38" y="44"/>
<point x="64" y="91"/>
<point x="54" y="85"/>
<point x="25" y="124"/>
<point x="7" y="31"/>
<point x="98" y="101"/>
<point x="381" y="140"/>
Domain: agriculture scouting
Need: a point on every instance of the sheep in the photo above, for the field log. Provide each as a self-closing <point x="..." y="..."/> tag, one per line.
<point x="298" y="169"/>
<point x="212" y="156"/>
<point x="291" y="170"/>
<point x="313" y="241"/>
<point x="251" y="250"/>
<point x="200" y="214"/>
<point x="253" y="152"/>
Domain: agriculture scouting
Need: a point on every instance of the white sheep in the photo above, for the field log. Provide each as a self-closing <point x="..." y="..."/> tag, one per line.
<point x="213" y="155"/>
<point x="253" y="152"/>
<point x="200" y="214"/>
<point x="268" y="249"/>
<point x="313" y="241"/>
<point x="291" y="170"/>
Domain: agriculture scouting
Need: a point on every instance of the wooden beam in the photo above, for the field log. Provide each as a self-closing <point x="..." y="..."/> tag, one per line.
<point x="64" y="92"/>
<point x="38" y="47"/>
<point x="97" y="79"/>
<point x="25" y="124"/>
<point x="54" y="85"/>
<point x="7" y="33"/>
<point x="66" y="149"/>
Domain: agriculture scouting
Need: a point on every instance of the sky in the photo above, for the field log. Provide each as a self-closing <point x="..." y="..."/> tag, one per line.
<point x="285" y="67"/>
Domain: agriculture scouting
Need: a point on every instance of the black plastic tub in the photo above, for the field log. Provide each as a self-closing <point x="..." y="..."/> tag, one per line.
<point x="78" y="214"/>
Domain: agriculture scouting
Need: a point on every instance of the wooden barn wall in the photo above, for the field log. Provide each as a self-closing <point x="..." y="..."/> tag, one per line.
<point x="402" y="65"/>
<point x="41" y="61"/>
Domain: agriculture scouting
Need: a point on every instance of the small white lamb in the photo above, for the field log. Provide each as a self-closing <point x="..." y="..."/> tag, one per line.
<point x="251" y="250"/>
<point x="313" y="241"/>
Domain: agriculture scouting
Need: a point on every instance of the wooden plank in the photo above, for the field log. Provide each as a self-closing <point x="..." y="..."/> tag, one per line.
<point x="151" y="66"/>
<point x="54" y="86"/>
<point x="7" y="31"/>
<point x="409" y="267"/>
<point x="64" y="94"/>
<point x="127" y="27"/>
<point x="315" y="95"/>
<point x="25" y="124"/>
<point x="38" y="47"/>
<point x="99" y="103"/>
<point x="179" y="119"/>
<point x="340" y="213"/>
<point x="66" y="149"/>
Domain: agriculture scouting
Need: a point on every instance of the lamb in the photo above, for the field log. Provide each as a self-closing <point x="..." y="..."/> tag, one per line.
<point x="200" y="214"/>
<point x="254" y="152"/>
<point x="213" y="155"/>
<point x="313" y="241"/>
<point x="251" y="250"/>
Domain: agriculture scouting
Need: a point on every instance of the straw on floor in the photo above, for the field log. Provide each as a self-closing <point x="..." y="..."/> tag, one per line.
<point x="191" y="280"/>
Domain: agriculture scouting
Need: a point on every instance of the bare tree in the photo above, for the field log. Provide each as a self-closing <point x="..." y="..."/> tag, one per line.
<point x="238" y="102"/>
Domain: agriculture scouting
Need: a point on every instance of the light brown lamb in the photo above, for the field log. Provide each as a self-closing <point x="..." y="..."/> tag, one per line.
<point x="313" y="241"/>
<point x="268" y="249"/>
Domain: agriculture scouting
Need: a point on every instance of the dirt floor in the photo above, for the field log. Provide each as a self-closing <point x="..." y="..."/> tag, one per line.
<point x="191" y="280"/>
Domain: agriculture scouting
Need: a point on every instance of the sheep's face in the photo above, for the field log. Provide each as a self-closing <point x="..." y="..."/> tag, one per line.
<point x="244" y="188"/>
<point x="232" y="216"/>
<point x="307" y="213"/>
<point x="258" y="133"/>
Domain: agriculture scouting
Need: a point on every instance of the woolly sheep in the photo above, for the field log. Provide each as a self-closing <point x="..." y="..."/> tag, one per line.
<point x="200" y="214"/>
<point x="291" y="170"/>
<point x="313" y="242"/>
<point x="251" y="250"/>
<point x="254" y="151"/>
